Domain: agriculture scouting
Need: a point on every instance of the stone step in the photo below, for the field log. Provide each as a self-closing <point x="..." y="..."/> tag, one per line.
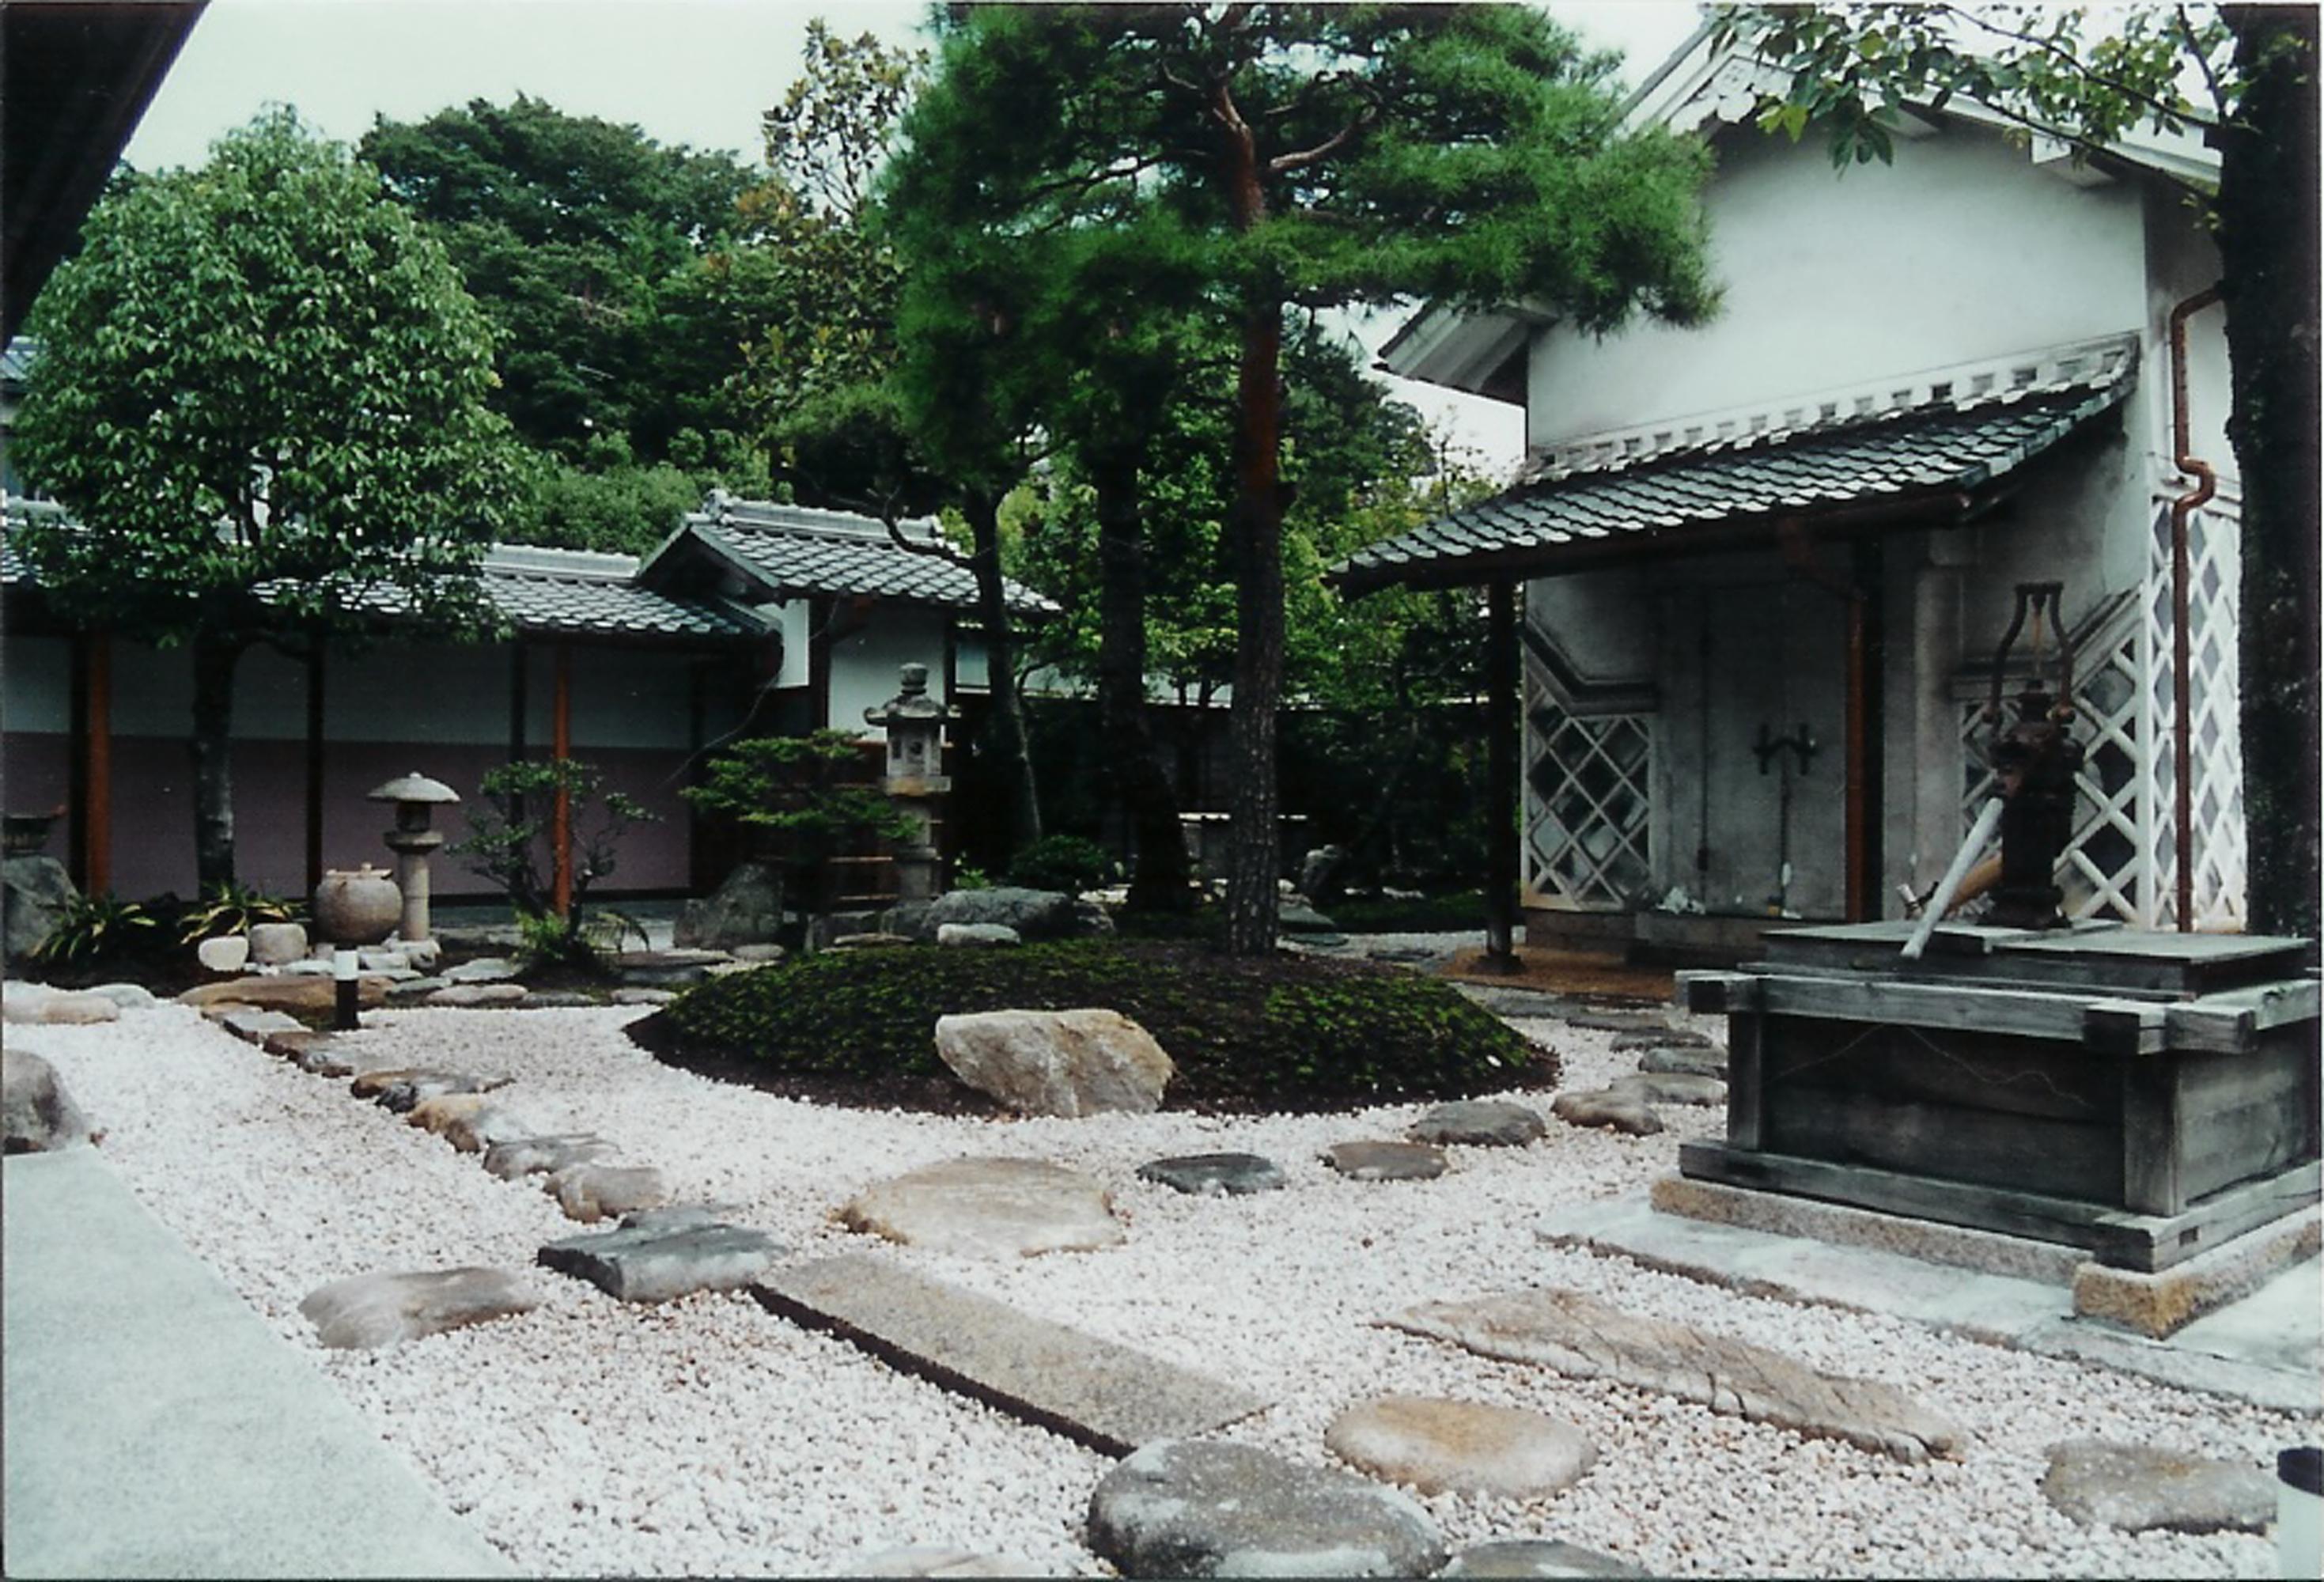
<point x="1093" y="1391"/>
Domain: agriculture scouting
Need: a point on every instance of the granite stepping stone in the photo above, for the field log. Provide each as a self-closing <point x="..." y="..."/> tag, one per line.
<point x="400" y="1089"/>
<point x="484" y="970"/>
<point x="470" y="1122"/>
<point x="312" y="1052"/>
<point x="1660" y="1038"/>
<point x="1604" y="1107"/>
<point x="476" y="996"/>
<point x="1479" y="1123"/>
<point x="544" y="1155"/>
<point x="989" y="1208"/>
<point x="646" y="1262"/>
<point x="1691" y="1062"/>
<point x="2141" y="1488"/>
<point x="1536" y="1557"/>
<point x="1215" y="1174"/>
<point x="643" y="997"/>
<point x="556" y="999"/>
<point x="1614" y="1022"/>
<point x="1585" y="1339"/>
<point x="1094" y="1392"/>
<point x="1385" y="1161"/>
<point x="286" y="993"/>
<point x="254" y="1026"/>
<point x="1185" y="1508"/>
<point x="1438" y="1446"/>
<point x="589" y="1192"/>
<point x="364" y="1311"/>
<point x="1671" y="1087"/>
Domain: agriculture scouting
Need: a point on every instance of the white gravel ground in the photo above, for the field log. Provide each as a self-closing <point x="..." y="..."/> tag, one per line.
<point x="708" y="1437"/>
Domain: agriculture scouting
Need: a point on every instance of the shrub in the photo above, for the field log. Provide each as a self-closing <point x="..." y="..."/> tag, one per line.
<point x="1283" y="1033"/>
<point x="508" y="836"/>
<point x="1070" y="863"/>
<point x="230" y="907"/>
<point x="94" y="928"/>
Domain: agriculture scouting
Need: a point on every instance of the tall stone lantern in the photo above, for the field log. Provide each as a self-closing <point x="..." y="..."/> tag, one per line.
<point x="914" y="723"/>
<point x="416" y="799"/>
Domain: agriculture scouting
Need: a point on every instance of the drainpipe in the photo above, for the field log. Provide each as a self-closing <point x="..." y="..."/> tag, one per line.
<point x="2182" y="754"/>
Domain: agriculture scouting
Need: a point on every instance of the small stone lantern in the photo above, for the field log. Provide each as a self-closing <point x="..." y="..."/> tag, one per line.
<point x="914" y="723"/>
<point x="416" y="798"/>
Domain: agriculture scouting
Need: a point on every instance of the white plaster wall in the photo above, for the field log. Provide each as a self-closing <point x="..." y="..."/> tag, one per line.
<point x="865" y="668"/>
<point x="36" y="684"/>
<point x="408" y="692"/>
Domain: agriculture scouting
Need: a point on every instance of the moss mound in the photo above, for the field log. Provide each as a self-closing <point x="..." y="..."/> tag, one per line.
<point x="1285" y="1033"/>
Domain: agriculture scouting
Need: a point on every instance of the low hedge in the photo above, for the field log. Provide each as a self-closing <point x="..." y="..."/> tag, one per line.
<point x="1278" y="1033"/>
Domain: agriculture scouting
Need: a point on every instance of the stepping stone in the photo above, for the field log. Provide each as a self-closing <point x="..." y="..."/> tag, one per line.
<point x="1461" y="1447"/>
<point x="2140" y="1488"/>
<point x="590" y="1192"/>
<point x="1385" y="1161"/>
<point x="484" y="970"/>
<point x="555" y="1000"/>
<point x="405" y="1089"/>
<point x="989" y="1208"/>
<point x="470" y="1122"/>
<point x="285" y="993"/>
<point x="1215" y="1174"/>
<point x="1481" y="1122"/>
<point x="1529" y="1004"/>
<point x="922" y="1559"/>
<point x="1670" y="1088"/>
<point x="1536" y="1557"/>
<point x="1585" y="1339"/>
<point x="129" y="997"/>
<point x="1604" y="1107"/>
<point x="1686" y="1062"/>
<point x="39" y="1116"/>
<point x="309" y="1050"/>
<point x="412" y="990"/>
<point x="58" y="1009"/>
<point x="254" y="1026"/>
<point x="643" y="997"/>
<point x="1661" y="1038"/>
<point x="1195" y="1509"/>
<point x="977" y="933"/>
<point x="1093" y="1391"/>
<point x="679" y="1217"/>
<point x="544" y="1155"/>
<point x="367" y="1311"/>
<point x="648" y="1264"/>
<point x="1614" y="1022"/>
<point x="476" y="996"/>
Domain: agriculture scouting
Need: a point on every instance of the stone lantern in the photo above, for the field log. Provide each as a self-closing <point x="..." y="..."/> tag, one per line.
<point x="416" y="799"/>
<point x="914" y="723"/>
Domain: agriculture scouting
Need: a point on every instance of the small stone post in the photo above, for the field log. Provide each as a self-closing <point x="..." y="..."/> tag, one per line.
<point x="416" y="798"/>
<point x="914" y="723"/>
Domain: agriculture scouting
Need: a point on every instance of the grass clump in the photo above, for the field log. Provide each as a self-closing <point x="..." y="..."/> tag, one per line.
<point x="1280" y="1033"/>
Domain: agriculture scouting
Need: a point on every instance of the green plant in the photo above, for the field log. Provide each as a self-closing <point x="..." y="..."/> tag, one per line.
<point x="1071" y="863"/>
<point x="231" y="908"/>
<point x="91" y="927"/>
<point x="508" y="836"/>
<point x="967" y="875"/>
<point x="807" y="793"/>
<point x="547" y="940"/>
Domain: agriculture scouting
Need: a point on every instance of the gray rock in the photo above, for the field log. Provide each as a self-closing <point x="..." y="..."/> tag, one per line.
<point x="987" y="1208"/>
<point x="476" y="996"/>
<point x="674" y="969"/>
<point x="367" y="1311"/>
<point x="2140" y="1488"/>
<point x="1503" y="1001"/>
<point x="1367" y="1160"/>
<point x="39" y="1116"/>
<point x="420" y="953"/>
<point x="399" y="1090"/>
<point x="1184" y="1508"/>
<point x="1669" y="1088"/>
<point x="277" y="944"/>
<point x="978" y="933"/>
<point x="34" y="892"/>
<point x="383" y="959"/>
<point x="1035" y="914"/>
<point x="129" y="997"/>
<point x="544" y="1155"/>
<point x="1091" y="920"/>
<point x="1215" y="1174"/>
<point x="223" y="953"/>
<point x="470" y="1122"/>
<point x="257" y="1027"/>
<point x="1481" y="1122"/>
<point x="1536" y="1557"/>
<point x="645" y="1264"/>
<point x="1691" y="1062"/>
<point x="308" y="967"/>
<point x="680" y="1217"/>
<point x="552" y="999"/>
<point x="62" y="1008"/>
<point x="1461" y="1447"/>
<point x="317" y="1053"/>
<point x="761" y="955"/>
<point x="1603" y="1107"/>
<point x="870" y="940"/>
<point x="645" y="996"/>
<point x="1071" y="1063"/>
<point x="483" y="969"/>
<point x="589" y="1192"/>
<point x="413" y="991"/>
<point x="1294" y="917"/>
<point x="1322" y="875"/>
<point x="745" y="909"/>
<point x="1660" y="1038"/>
<point x="1585" y="1339"/>
<point x="1654" y="1027"/>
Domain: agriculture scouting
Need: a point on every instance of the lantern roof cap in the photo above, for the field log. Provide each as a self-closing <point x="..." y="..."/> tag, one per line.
<point x="414" y="787"/>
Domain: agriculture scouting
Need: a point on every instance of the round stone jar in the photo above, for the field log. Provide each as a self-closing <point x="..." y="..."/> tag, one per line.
<point x="356" y="906"/>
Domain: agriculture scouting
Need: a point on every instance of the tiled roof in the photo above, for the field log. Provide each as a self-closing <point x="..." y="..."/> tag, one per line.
<point x="792" y="551"/>
<point x="1944" y="446"/>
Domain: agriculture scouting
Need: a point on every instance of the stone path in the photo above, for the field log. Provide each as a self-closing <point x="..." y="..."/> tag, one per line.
<point x="989" y="1208"/>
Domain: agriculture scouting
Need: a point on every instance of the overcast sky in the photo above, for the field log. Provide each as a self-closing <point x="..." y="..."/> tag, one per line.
<point x="698" y="72"/>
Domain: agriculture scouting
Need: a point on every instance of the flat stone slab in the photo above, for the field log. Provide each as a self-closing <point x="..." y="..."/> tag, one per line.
<point x="647" y="1263"/>
<point x="367" y="1311"/>
<point x="1691" y="1062"/>
<point x="1215" y="1174"/>
<point x="399" y="1089"/>
<point x="2140" y="1488"/>
<point x="989" y="1208"/>
<point x="1670" y="1088"/>
<point x="484" y="970"/>
<point x="1479" y="1123"/>
<point x="544" y="1155"/>
<point x="1192" y="1509"/>
<point x="284" y="993"/>
<point x="1385" y="1161"/>
<point x="1536" y="1557"/>
<point x="476" y="996"/>
<point x="1585" y="1339"/>
<point x="1636" y="1023"/>
<point x="1660" y="1038"/>
<point x="1095" y="1392"/>
<point x="1608" y="1107"/>
<point x="1438" y="1446"/>
<point x="589" y="1192"/>
<point x="317" y="1053"/>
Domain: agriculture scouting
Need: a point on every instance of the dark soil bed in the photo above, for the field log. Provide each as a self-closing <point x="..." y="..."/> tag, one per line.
<point x="1276" y="1033"/>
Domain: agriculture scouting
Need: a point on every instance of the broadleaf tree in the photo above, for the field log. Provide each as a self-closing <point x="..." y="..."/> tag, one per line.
<point x="1294" y="157"/>
<point x="262" y="399"/>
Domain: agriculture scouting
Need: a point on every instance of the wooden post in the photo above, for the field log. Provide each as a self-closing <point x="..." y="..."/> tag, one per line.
<point x="315" y="769"/>
<point x="1502" y="729"/>
<point x="561" y="747"/>
<point x="97" y="769"/>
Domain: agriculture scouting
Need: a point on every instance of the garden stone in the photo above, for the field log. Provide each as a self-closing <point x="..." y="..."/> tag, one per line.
<point x="1293" y="917"/>
<point x="1186" y="1508"/>
<point x="1603" y="1107"/>
<point x="1655" y="1027"/>
<point x="474" y="1133"/>
<point x="1461" y="1447"/>
<point x="680" y="1217"/>
<point x="1536" y="1557"/>
<point x="869" y="940"/>
<point x="78" y="1009"/>
<point x="759" y="955"/>
<point x="665" y="969"/>
<point x="1585" y="1339"/>
<point x="1090" y="920"/>
<point x="746" y="909"/>
<point x="978" y="933"/>
<point x="924" y="1559"/>
<point x="399" y="1087"/>
<point x="313" y="1052"/>
<point x="308" y="966"/>
<point x="39" y="1116"/>
<point x="1322" y="875"/>
<point x="223" y="953"/>
<point x="413" y="991"/>
<point x="420" y="953"/>
<point x="2140" y="1488"/>
<point x="1035" y="914"/>
<point x="317" y="995"/>
<point x="381" y="959"/>
<point x="1670" y="1088"/>
<point x="34" y="892"/>
<point x="129" y="997"/>
<point x="367" y="1311"/>
<point x="642" y="1264"/>
<point x="1483" y="1123"/>
<point x="1660" y="1038"/>
<point x="475" y="996"/>
<point x="987" y="1208"/>
<point x="589" y="1192"/>
<point x="1069" y="1063"/>
<point x="1215" y="1174"/>
<point x="551" y="999"/>
<point x="484" y="970"/>
<point x="643" y="997"/>
<point x="256" y="1026"/>
<point x="544" y="1155"/>
<point x="277" y="944"/>
<point x="716" y="970"/>
<point x="1693" y="1062"/>
<point x="1367" y="1160"/>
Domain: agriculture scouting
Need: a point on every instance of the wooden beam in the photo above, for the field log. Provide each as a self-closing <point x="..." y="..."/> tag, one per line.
<point x="1502" y="727"/>
<point x="561" y="820"/>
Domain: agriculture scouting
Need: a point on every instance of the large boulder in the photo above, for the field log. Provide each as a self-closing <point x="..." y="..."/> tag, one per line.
<point x="1035" y="914"/>
<point x="1071" y="1063"/>
<point x="34" y="894"/>
<point x="1195" y="1508"/>
<point x="747" y="908"/>
<point x="41" y="1116"/>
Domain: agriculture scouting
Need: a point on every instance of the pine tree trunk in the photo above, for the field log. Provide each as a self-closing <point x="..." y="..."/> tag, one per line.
<point x="2267" y="228"/>
<point x="215" y="659"/>
<point x="1162" y="880"/>
<point x="1005" y="736"/>
<point x="1254" y="846"/>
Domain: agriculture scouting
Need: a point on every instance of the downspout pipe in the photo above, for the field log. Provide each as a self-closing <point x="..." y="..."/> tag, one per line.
<point x="2182" y="688"/>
